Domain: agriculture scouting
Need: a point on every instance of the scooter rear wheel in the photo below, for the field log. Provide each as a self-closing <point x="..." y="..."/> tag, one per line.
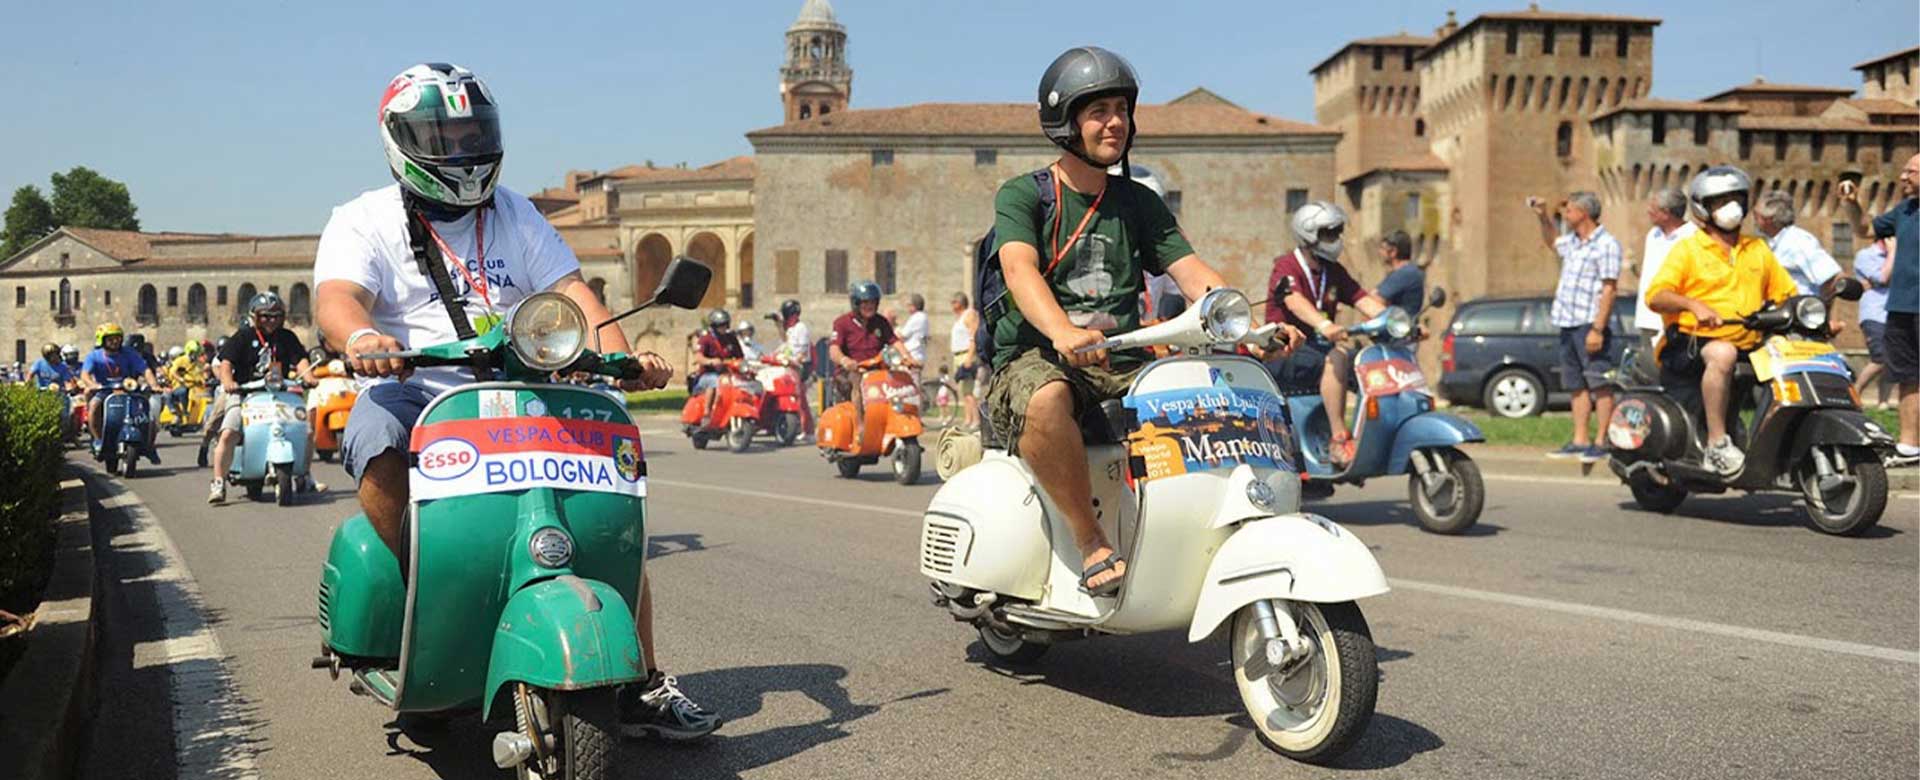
<point x="1009" y="648"/>
<point x="130" y="465"/>
<point x="849" y="468"/>
<point x="1317" y="708"/>
<point x="699" y="440"/>
<point x="1653" y="496"/>
<point x="112" y="462"/>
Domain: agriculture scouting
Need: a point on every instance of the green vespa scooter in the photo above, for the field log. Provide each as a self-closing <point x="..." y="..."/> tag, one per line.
<point x="525" y="540"/>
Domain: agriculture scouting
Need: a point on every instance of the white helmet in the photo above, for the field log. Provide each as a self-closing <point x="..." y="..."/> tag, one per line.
<point x="1147" y="176"/>
<point x="176" y="352"/>
<point x="1712" y="183"/>
<point x="1314" y="217"/>
<point x="442" y="134"/>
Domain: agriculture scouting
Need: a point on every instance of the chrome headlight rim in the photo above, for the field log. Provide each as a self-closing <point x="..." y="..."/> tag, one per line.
<point x="1809" y="312"/>
<point x="1225" y="315"/>
<point x="520" y="335"/>
<point x="1399" y="324"/>
<point x="550" y="547"/>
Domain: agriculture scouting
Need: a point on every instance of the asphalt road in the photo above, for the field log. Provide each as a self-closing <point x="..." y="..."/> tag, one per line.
<point x="1570" y="636"/>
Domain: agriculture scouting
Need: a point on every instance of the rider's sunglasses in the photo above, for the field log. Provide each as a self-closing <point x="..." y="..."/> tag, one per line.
<point x="270" y="316"/>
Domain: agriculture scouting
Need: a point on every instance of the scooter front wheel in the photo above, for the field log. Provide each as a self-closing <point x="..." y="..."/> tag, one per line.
<point x="1448" y="497"/>
<point x="283" y="485"/>
<point x="787" y="428"/>
<point x="572" y="732"/>
<point x="740" y="434"/>
<point x="906" y="461"/>
<point x="1848" y="503"/>
<point x="1314" y="707"/>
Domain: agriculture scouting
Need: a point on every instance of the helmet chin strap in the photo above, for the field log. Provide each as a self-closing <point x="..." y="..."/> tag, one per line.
<point x="434" y="210"/>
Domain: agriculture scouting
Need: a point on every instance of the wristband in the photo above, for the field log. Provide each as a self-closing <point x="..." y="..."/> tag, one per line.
<point x="1322" y="327"/>
<point x="355" y="336"/>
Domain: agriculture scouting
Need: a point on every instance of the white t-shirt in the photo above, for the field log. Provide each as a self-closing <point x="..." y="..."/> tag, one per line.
<point x="1658" y="244"/>
<point x="366" y="243"/>
<point x="913" y="333"/>
<point x="799" y="344"/>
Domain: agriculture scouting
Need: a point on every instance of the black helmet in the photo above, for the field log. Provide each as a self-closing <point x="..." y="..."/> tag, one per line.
<point x="266" y="302"/>
<point x="1076" y="77"/>
<point x="719" y="319"/>
<point x="50" y="351"/>
<point x="864" y="290"/>
<point x="789" y="308"/>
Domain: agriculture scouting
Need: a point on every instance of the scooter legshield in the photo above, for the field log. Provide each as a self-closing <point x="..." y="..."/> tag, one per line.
<point x="1297" y="557"/>
<point x="565" y="633"/>
<point x="362" y="601"/>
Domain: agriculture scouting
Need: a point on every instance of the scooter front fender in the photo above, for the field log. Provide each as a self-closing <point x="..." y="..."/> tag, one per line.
<point x="565" y="633"/>
<point x="280" y="452"/>
<point x="1298" y="557"/>
<point x="904" y="426"/>
<point x="1431" y="429"/>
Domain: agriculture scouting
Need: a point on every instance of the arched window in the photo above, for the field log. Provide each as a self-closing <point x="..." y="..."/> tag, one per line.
<point x="1420" y="127"/>
<point x="65" y="302"/>
<point x="299" y="304"/>
<point x="148" y="312"/>
<point x="240" y="302"/>
<point x="1563" y="140"/>
<point x="806" y="111"/>
<point x="197" y="304"/>
<point x="826" y="108"/>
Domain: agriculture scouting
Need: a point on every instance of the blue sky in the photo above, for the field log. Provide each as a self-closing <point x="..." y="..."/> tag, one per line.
<point x="259" y="116"/>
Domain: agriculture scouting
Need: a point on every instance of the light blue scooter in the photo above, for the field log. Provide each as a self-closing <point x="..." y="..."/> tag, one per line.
<point x="124" y="423"/>
<point x="1395" y="431"/>
<point x="274" y="435"/>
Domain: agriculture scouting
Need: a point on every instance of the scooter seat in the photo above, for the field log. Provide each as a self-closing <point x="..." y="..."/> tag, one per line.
<point x="1108" y="423"/>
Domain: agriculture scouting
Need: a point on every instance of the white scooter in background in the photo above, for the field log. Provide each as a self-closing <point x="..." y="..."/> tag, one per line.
<point x="1194" y="481"/>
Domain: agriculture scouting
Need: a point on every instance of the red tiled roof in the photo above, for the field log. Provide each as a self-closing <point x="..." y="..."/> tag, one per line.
<point x="1533" y="14"/>
<point x="1399" y="40"/>
<point x="556" y="193"/>
<point x="741" y="167"/>
<point x="223" y="262"/>
<point x="1808" y="123"/>
<point x="1872" y="106"/>
<point x="1020" y="120"/>
<point x="1759" y="87"/>
<point x="1412" y="162"/>
<point x="1645" y="105"/>
<point x="1884" y="57"/>
<point x="134" y="244"/>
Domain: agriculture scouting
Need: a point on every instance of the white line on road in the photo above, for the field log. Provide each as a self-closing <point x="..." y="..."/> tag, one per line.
<point x="210" y="737"/>
<point x="1509" y="599"/>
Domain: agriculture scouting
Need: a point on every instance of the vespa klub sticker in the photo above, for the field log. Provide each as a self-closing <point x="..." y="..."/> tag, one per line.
<point x="1390" y="376"/>
<point x="1782" y="356"/>
<point x="1632" y="422"/>
<point x="465" y="457"/>
<point x="1197" y="429"/>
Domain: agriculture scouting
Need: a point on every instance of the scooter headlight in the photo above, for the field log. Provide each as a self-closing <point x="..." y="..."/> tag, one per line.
<point x="1810" y="312"/>
<point x="547" y="331"/>
<point x="1225" y="315"/>
<point x="551" y="547"/>
<point x="1399" y="323"/>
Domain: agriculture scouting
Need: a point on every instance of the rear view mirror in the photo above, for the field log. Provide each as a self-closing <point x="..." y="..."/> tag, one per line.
<point x="1849" y="288"/>
<point x="1437" y="298"/>
<point x="684" y="284"/>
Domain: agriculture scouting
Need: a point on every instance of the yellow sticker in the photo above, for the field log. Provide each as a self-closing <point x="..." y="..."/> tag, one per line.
<point x="485" y="323"/>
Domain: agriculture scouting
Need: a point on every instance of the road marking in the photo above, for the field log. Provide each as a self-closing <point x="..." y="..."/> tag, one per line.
<point x="1662" y="621"/>
<point x="211" y="735"/>
<point x="1509" y="599"/>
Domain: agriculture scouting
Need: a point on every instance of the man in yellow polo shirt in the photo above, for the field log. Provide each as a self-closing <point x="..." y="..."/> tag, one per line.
<point x="1709" y="282"/>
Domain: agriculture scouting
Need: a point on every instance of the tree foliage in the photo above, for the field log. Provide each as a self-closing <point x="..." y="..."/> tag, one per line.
<point x="84" y="198"/>
<point x="29" y="217"/>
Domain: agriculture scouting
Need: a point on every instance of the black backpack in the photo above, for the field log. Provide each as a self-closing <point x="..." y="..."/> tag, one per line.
<point x="990" y="283"/>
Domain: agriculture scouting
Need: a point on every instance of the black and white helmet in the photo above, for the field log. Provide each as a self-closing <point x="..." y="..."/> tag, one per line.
<point x="1714" y="182"/>
<point x="719" y="320"/>
<point x="442" y="134"/>
<point x="1309" y="220"/>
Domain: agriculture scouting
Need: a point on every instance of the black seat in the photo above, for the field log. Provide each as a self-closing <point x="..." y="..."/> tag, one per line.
<point x="1108" y="423"/>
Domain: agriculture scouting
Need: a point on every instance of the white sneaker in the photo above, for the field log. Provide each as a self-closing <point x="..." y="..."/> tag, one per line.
<point x="216" y="492"/>
<point x="1725" y="458"/>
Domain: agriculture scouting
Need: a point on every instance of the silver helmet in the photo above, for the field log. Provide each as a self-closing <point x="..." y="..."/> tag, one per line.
<point x="1712" y="183"/>
<point x="1314" y="217"/>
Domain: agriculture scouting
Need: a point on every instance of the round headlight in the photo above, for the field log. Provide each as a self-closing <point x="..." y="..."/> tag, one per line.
<point x="1399" y="323"/>
<point x="1810" y="312"/>
<point x="1225" y="315"/>
<point x="547" y="331"/>
<point x="551" y="547"/>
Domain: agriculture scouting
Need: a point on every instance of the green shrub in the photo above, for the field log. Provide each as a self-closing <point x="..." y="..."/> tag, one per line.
<point x="30" y="461"/>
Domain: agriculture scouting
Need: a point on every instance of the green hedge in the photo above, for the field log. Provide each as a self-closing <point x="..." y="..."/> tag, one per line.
<point x="30" y="458"/>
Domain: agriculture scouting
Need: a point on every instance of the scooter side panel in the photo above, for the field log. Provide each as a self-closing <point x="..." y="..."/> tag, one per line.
<point x="985" y="529"/>
<point x="1430" y="429"/>
<point x="565" y="633"/>
<point x="1300" y="557"/>
<point x="362" y="601"/>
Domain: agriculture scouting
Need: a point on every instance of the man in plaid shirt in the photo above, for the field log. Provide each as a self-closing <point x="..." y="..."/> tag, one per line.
<point x="1582" y="306"/>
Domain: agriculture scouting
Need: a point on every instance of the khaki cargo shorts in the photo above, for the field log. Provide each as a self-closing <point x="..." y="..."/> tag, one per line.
<point x="1014" y="384"/>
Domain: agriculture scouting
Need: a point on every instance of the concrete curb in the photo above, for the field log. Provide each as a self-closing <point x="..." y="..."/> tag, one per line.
<point x="47" y="700"/>
<point x="1533" y="462"/>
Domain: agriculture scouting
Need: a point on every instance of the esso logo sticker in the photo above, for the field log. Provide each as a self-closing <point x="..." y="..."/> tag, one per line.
<point x="447" y="458"/>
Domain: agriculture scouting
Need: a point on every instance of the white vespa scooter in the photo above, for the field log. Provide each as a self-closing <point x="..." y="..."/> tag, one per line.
<point x="1194" y="481"/>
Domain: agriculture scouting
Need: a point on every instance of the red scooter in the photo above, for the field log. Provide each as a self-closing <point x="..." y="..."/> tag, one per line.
<point x="782" y="410"/>
<point x="735" y="415"/>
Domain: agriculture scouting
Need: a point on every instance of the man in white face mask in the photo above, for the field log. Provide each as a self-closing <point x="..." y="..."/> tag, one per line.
<point x="1708" y="282"/>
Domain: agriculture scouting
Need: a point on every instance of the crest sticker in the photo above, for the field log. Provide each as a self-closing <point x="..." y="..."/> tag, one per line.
<point x="626" y="458"/>
<point x="497" y="403"/>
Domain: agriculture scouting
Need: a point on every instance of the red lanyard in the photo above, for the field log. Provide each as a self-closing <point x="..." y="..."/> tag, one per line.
<point x="273" y="355"/>
<point x="1059" y="215"/>
<point x="479" y="251"/>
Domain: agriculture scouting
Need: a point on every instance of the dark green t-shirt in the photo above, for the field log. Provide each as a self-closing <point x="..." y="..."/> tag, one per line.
<point x="1132" y="233"/>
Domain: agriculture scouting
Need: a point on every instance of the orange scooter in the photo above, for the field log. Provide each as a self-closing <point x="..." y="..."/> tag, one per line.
<point x="891" y="426"/>
<point x="328" y="406"/>
<point x="735" y="414"/>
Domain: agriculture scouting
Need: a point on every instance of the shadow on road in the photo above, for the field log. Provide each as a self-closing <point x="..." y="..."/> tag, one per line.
<point x="1766" y="510"/>
<point x="1361" y="514"/>
<point x="663" y="545"/>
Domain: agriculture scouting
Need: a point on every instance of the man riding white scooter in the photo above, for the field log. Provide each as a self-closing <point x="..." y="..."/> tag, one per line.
<point x="261" y="347"/>
<point x="376" y="293"/>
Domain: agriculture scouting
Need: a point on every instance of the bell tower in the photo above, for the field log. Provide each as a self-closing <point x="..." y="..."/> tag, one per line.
<point x="815" y="80"/>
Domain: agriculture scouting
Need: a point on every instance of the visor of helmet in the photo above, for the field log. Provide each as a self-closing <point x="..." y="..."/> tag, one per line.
<point x="433" y="131"/>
